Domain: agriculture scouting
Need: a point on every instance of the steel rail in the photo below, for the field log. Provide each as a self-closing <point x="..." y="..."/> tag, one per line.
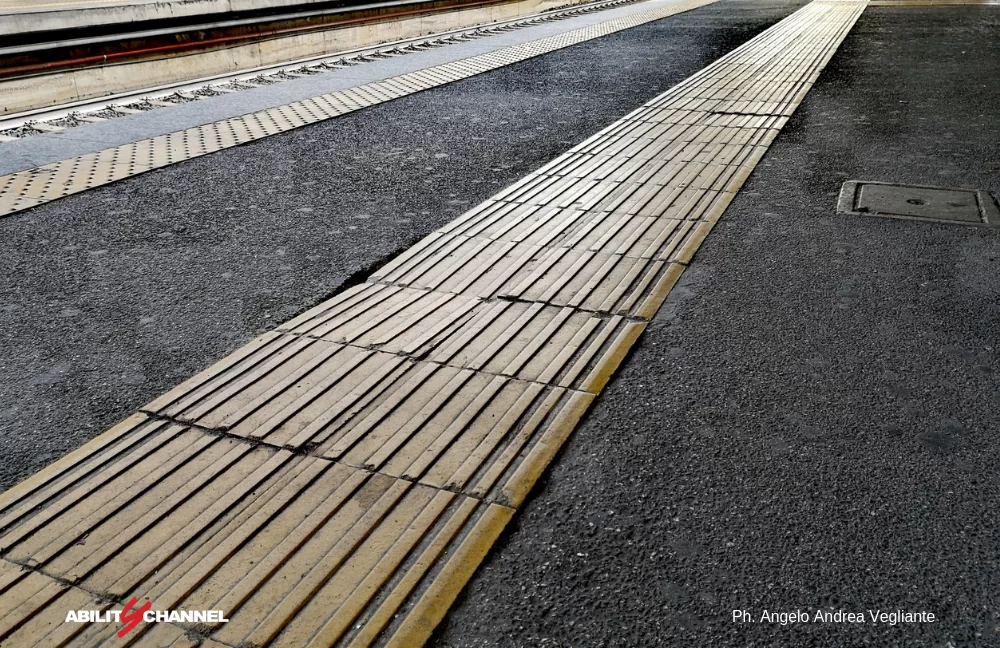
<point x="179" y="28"/>
<point x="48" y="113"/>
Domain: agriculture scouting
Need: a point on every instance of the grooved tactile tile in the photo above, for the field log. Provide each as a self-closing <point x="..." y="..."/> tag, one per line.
<point x="642" y="237"/>
<point x="25" y="189"/>
<point x="445" y="426"/>
<point x="536" y="342"/>
<point x="338" y="480"/>
<point x="33" y="607"/>
<point x="387" y="318"/>
<point x="204" y="522"/>
<point x="604" y="283"/>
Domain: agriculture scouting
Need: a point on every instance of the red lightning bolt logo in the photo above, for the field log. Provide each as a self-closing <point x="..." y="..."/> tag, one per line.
<point x="131" y="618"/>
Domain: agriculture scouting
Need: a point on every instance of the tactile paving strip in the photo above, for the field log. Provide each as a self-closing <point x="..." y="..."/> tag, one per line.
<point x="338" y="480"/>
<point x="563" y="347"/>
<point x="646" y="237"/>
<point x="604" y="283"/>
<point x="25" y="189"/>
<point x="446" y="426"/>
<point x="295" y="549"/>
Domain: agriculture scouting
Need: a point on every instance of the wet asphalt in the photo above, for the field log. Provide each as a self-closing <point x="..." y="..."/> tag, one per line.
<point x="812" y="422"/>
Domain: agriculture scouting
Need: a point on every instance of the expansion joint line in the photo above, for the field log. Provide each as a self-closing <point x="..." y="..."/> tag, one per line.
<point x="304" y="450"/>
<point x="453" y="377"/>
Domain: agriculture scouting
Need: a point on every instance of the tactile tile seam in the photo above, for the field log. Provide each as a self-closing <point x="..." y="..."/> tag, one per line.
<point x="603" y="283"/>
<point x="431" y="399"/>
<point x="443" y="426"/>
<point x="643" y="237"/>
<point x="25" y="189"/>
<point x="294" y="549"/>
<point x="535" y="342"/>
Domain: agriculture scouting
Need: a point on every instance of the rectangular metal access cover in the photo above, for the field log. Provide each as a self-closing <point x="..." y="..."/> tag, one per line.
<point x="961" y="206"/>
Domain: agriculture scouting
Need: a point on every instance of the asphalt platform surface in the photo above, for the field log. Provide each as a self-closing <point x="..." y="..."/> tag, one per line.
<point x="813" y="420"/>
<point x="810" y="422"/>
<point x="111" y="297"/>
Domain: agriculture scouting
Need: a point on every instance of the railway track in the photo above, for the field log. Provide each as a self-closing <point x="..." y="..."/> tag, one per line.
<point x="56" y="118"/>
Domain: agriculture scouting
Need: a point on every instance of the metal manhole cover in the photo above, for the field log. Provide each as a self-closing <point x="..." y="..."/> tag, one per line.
<point x="939" y="204"/>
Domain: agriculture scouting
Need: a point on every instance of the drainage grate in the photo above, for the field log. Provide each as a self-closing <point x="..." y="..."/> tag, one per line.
<point x="939" y="204"/>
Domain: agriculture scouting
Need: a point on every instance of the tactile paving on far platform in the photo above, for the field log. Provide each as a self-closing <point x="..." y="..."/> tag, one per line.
<point x="338" y="480"/>
<point x="32" y="187"/>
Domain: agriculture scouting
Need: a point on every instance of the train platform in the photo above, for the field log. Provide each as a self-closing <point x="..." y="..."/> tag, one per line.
<point x="665" y="323"/>
<point x="23" y="17"/>
<point x="20" y="17"/>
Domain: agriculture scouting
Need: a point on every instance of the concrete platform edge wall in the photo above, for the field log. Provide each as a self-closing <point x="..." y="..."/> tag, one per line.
<point x="63" y="87"/>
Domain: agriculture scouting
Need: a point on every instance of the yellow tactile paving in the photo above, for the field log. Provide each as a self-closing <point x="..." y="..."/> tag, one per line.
<point x="32" y="607"/>
<point x="33" y="612"/>
<point x="593" y="281"/>
<point x="293" y="549"/>
<point x="441" y="425"/>
<point x="387" y="318"/>
<point x="22" y="190"/>
<point x="338" y="480"/>
<point x="563" y="347"/>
